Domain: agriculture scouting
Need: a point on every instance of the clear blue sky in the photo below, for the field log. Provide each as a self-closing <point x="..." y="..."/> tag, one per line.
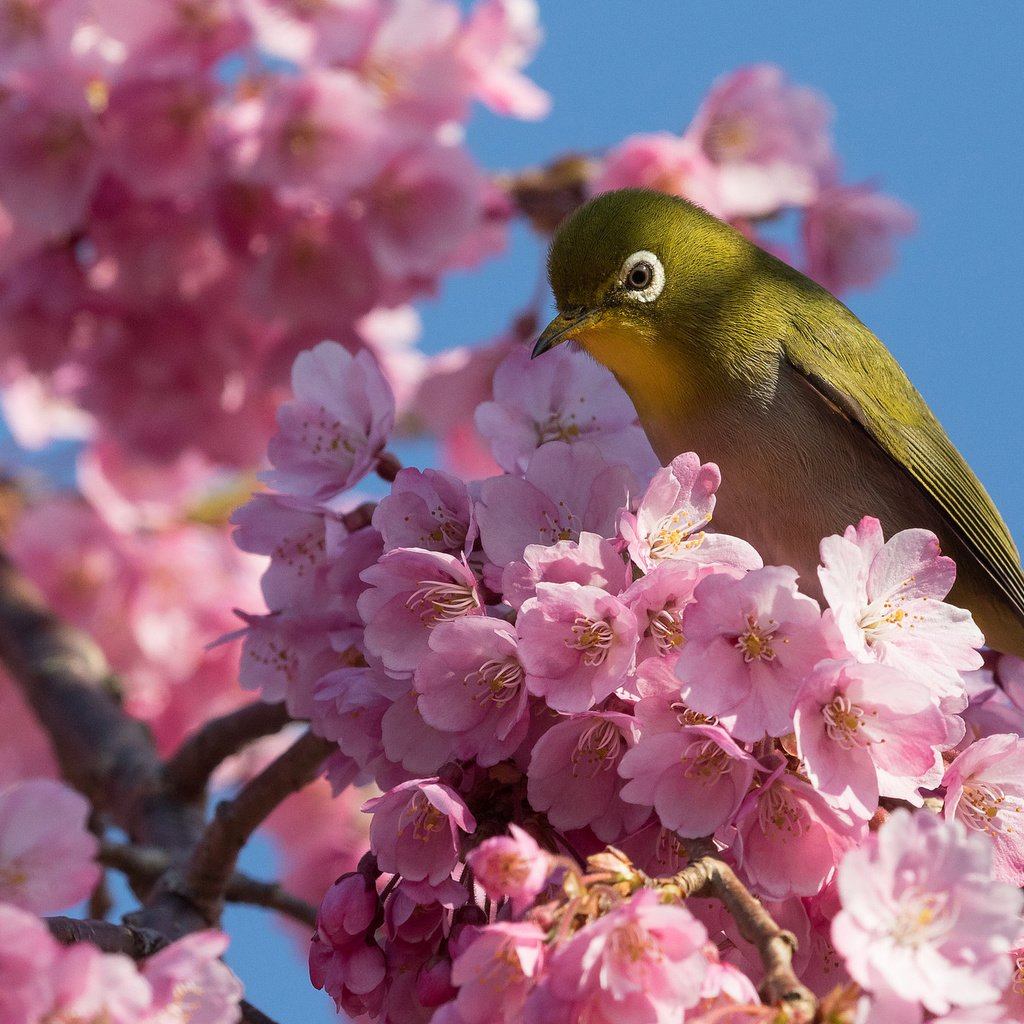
<point x="929" y="101"/>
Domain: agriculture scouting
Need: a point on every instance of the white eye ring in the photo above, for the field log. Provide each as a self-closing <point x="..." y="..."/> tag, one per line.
<point x="642" y="276"/>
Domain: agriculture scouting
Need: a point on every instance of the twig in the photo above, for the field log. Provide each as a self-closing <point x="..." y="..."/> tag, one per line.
<point x="212" y="863"/>
<point x="144" y="865"/>
<point x="780" y="987"/>
<point x="187" y="773"/>
<point x="250" y="1015"/>
<point x="138" y="943"/>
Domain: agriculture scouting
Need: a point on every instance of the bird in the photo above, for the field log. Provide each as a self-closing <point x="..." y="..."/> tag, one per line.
<point x="727" y="351"/>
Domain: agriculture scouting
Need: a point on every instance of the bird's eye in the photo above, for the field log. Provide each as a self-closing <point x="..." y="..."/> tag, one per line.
<point x="642" y="276"/>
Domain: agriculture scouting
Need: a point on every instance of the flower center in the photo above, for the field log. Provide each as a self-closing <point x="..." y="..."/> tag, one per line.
<point x="922" y="918"/>
<point x="435" y="601"/>
<point x="778" y="811"/>
<point x="674" y="533"/>
<point x="497" y="681"/>
<point x="756" y="642"/>
<point x="448" y="530"/>
<point x="984" y="807"/>
<point x="554" y="429"/>
<point x="667" y="631"/>
<point x="594" y="639"/>
<point x="843" y="720"/>
<point x="424" y="817"/>
<point x="597" y="750"/>
<point x="687" y="716"/>
<point x="631" y="944"/>
<point x="707" y="761"/>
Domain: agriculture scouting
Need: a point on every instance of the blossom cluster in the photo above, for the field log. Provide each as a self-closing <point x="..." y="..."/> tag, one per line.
<point x="191" y="193"/>
<point x="47" y="864"/>
<point x="569" y="648"/>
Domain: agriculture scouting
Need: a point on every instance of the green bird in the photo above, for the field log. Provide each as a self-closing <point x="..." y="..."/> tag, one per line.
<point x="731" y="353"/>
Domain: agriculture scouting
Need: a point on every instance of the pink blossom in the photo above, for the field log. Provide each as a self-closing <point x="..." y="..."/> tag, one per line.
<point x="694" y="778"/>
<point x="567" y="489"/>
<point x="47" y="856"/>
<point x="427" y="509"/>
<point x="769" y="140"/>
<point x="670" y="521"/>
<point x="849" y="234"/>
<point x="570" y="400"/>
<point x="789" y="839"/>
<point x="28" y="954"/>
<point x="750" y="643"/>
<point x="664" y="162"/>
<point x="410" y="591"/>
<point x="331" y="432"/>
<point x="472" y="684"/>
<point x="511" y="867"/>
<point x="498" y="39"/>
<point x="852" y="718"/>
<point x="573" y="774"/>
<point x="415" y="829"/>
<point x="352" y="975"/>
<point x="419" y="748"/>
<point x="591" y="561"/>
<point x="576" y="644"/>
<point x="922" y="919"/>
<point x="985" y="791"/>
<point x="658" y="600"/>
<point x="886" y="600"/>
<point x="26" y="751"/>
<point x="94" y="986"/>
<point x="642" y="961"/>
<point x="496" y="971"/>
<point x="188" y="978"/>
<point x="322" y="34"/>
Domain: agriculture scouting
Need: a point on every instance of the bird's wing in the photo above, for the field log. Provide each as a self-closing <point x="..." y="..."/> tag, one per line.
<point x="900" y="422"/>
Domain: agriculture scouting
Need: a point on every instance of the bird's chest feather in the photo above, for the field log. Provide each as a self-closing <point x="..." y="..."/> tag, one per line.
<point x="794" y="470"/>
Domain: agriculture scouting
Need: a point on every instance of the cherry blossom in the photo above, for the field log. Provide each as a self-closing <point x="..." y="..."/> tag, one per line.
<point x="511" y="867"/>
<point x="922" y="920"/>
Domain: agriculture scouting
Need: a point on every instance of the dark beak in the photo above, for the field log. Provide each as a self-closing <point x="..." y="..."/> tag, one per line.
<point x="565" y="326"/>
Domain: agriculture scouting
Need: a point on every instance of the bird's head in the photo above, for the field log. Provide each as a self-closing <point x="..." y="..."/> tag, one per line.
<point x="648" y="284"/>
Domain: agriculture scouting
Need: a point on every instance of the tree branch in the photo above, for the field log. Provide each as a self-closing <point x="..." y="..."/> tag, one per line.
<point x="708" y="873"/>
<point x="209" y="870"/>
<point x="188" y="771"/>
<point x="138" y="943"/>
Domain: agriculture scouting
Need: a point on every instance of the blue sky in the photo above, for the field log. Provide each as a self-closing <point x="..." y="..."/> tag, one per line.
<point x="929" y="102"/>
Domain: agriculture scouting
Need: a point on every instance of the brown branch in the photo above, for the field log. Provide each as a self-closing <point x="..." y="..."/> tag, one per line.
<point x="250" y="1015"/>
<point x="104" y="753"/>
<point x="209" y="870"/>
<point x="138" y="943"/>
<point x="708" y="873"/>
<point x="143" y="866"/>
<point x="187" y="773"/>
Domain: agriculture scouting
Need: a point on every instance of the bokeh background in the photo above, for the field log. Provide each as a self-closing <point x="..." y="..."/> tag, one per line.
<point x="928" y="102"/>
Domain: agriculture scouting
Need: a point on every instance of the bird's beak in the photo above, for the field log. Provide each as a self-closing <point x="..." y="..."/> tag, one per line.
<point x="564" y="327"/>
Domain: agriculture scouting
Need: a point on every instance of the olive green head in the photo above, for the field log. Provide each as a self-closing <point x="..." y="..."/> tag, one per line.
<point x="648" y="285"/>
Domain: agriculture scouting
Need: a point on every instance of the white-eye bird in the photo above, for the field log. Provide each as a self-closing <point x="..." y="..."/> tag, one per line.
<point x="731" y="353"/>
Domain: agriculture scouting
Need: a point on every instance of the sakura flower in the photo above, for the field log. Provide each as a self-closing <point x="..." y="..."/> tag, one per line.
<point x="573" y="775"/>
<point x="499" y="38"/>
<point x="472" y="684"/>
<point x="852" y="718"/>
<point x="670" y="521"/>
<point x="28" y="954"/>
<point x="188" y="978"/>
<point x="886" y="600"/>
<point x="576" y="644"/>
<point x="591" y="561"/>
<point x="415" y="829"/>
<point x="643" y="960"/>
<point x="750" y="642"/>
<point x="506" y="958"/>
<point x="567" y="489"/>
<point x="412" y="590"/>
<point x="849" y="234"/>
<point x="695" y="778"/>
<point x="569" y="400"/>
<point x="922" y="919"/>
<point x="511" y="867"/>
<point x="331" y="432"/>
<point x="789" y="839"/>
<point x="664" y="162"/>
<point x="769" y="140"/>
<point x="427" y="509"/>
<point x="46" y="854"/>
<point x="985" y="791"/>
